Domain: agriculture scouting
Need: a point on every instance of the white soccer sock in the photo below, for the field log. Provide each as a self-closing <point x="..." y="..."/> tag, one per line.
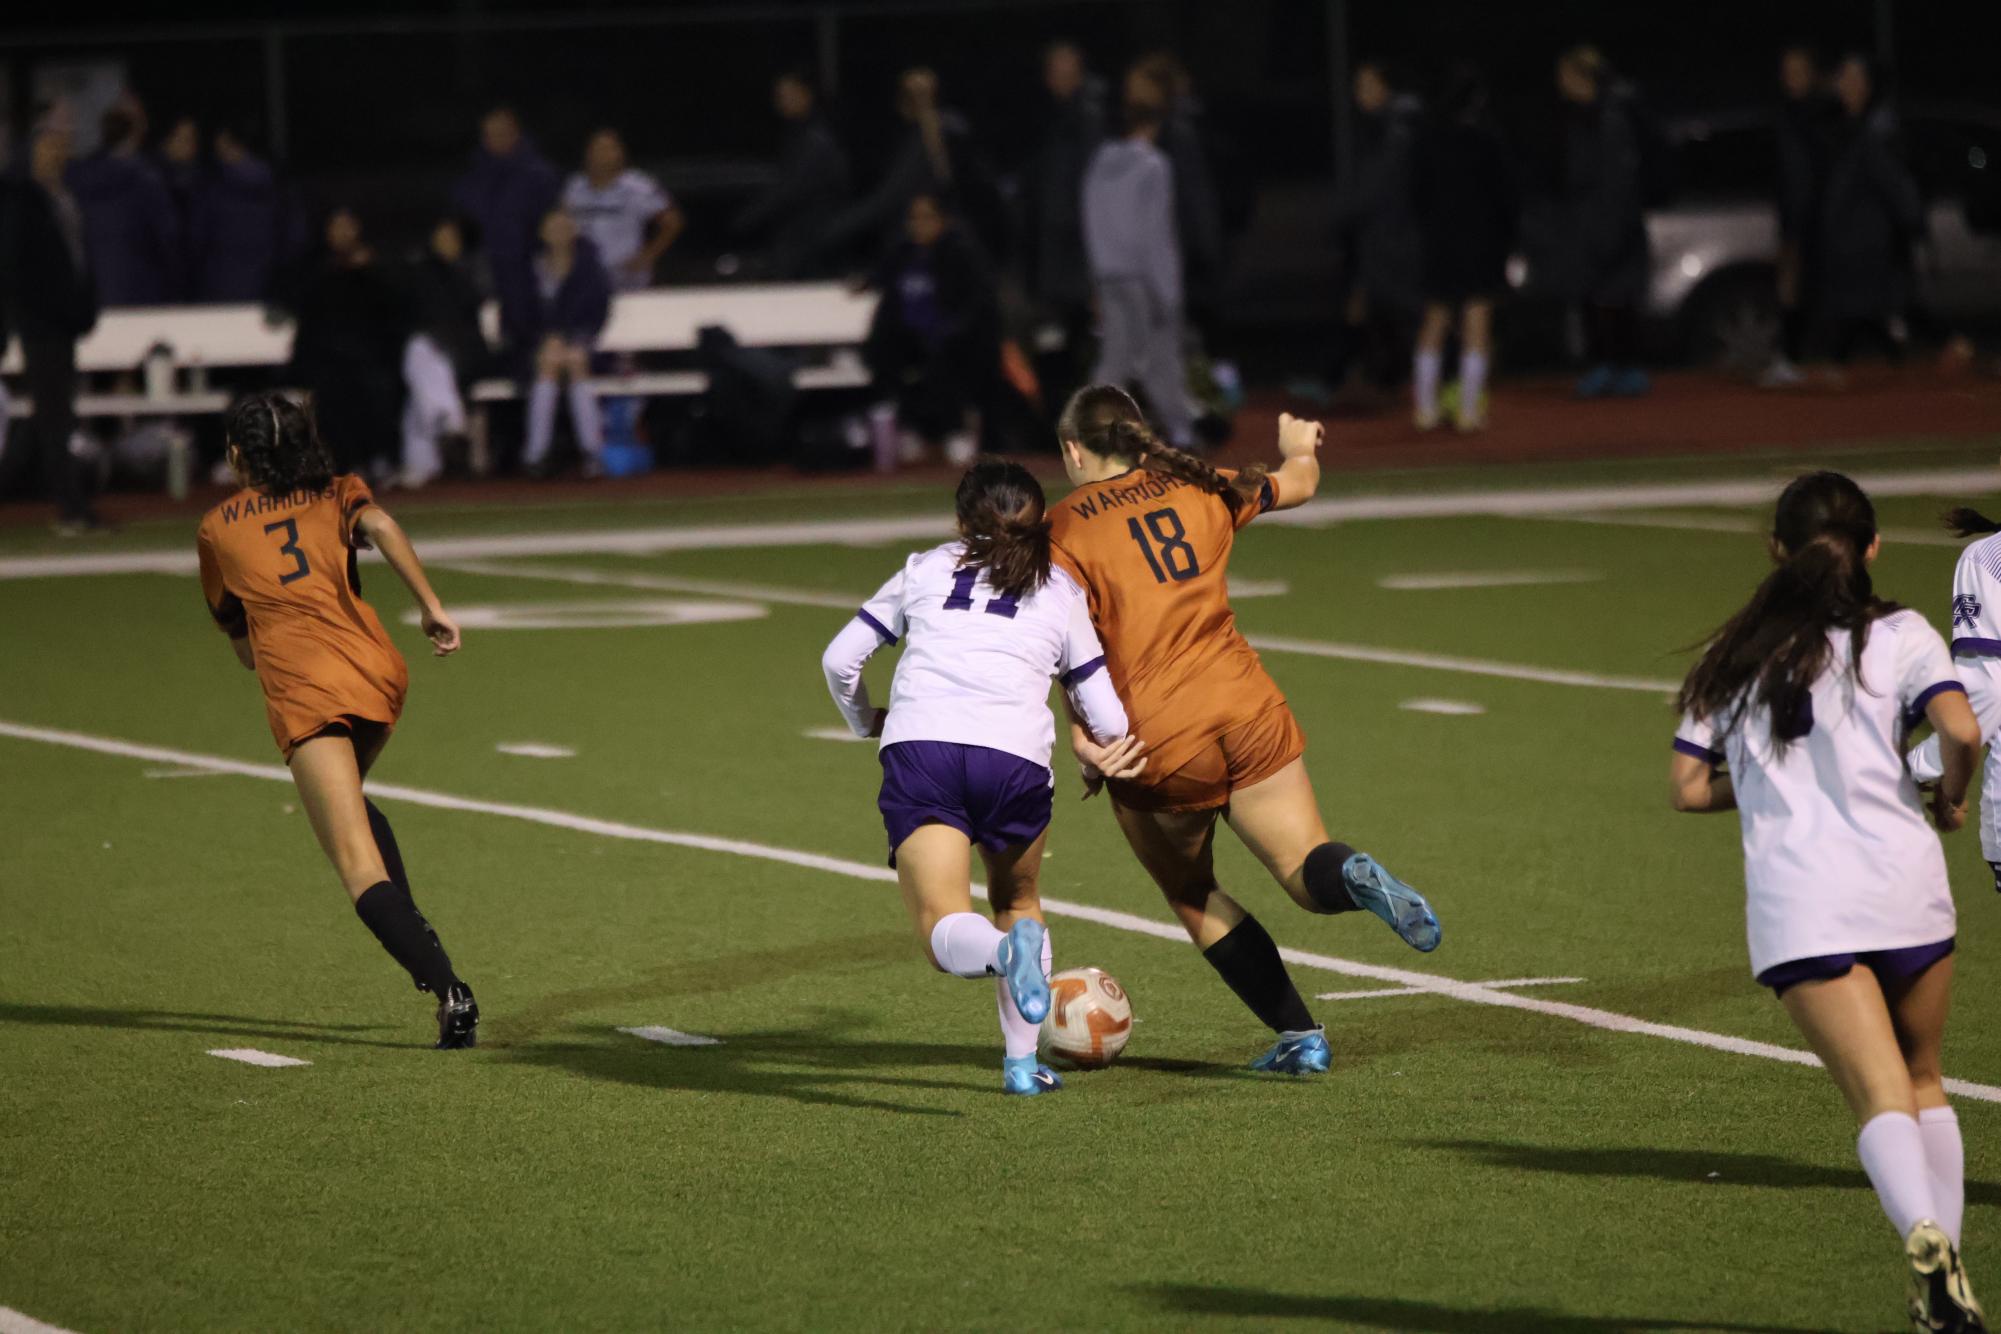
<point x="1945" y="1154"/>
<point x="1016" y="1032"/>
<point x="1472" y="383"/>
<point x="585" y="419"/>
<point x="1424" y="370"/>
<point x="1892" y="1149"/>
<point x="966" y="944"/>
<point x="541" y="420"/>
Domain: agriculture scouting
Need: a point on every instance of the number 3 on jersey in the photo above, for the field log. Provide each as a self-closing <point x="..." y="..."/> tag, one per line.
<point x="1175" y="559"/>
<point x="290" y="548"/>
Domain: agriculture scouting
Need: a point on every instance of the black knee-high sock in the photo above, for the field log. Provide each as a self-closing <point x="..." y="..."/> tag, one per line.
<point x="1248" y="960"/>
<point x="385" y="841"/>
<point x="1324" y="881"/>
<point x="387" y="911"/>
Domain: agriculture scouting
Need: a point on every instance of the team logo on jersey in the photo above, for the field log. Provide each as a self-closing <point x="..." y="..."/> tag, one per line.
<point x="1965" y="609"/>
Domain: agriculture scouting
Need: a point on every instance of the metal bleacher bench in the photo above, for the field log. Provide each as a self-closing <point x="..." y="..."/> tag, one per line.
<point x="825" y="317"/>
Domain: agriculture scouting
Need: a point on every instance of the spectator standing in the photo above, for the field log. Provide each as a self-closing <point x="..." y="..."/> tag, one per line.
<point x="810" y="182"/>
<point x="1466" y="209"/>
<point x="181" y="168"/>
<point x="934" y="344"/>
<point x="1073" y="128"/>
<point x="1604" y="194"/>
<point x="352" y="320"/>
<point x="1800" y="128"/>
<point x="50" y="300"/>
<point x="1198" y="211"/>
<point x="128" y="216"/>
<point x="1871" y="217"/>
<point x="239" y="241"/>
<point x="507" y="192"/>
<point x="1379" y="231"/>
<point x="1129" y="237"/>
<point x="623" y="211"/>
<point x="446" y="349"/>
<point x="572" y="302"/>
<point x="933" y="157"/>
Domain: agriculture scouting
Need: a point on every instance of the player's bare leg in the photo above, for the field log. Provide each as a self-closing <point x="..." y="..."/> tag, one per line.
<point x="933" y="871"/>
<point x="327" y="771"/>
<point x="1279" y="821"/>
<point x="1177" y="849"/>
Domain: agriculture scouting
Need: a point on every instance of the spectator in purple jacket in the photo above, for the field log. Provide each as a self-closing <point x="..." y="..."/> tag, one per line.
<point x="239" y="225"/>
<point x="180" y="166"/>
<point x="128" y="216"/>
<point x="507" y="193"/>
<point x="572" y="294"/>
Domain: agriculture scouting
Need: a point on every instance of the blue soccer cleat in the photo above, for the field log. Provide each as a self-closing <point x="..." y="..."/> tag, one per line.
<point x="1392" y="900"/>
<point x="1297" y="1054"/>
<point x="1026" y="1076"/>
<point x="1020" y="962"/>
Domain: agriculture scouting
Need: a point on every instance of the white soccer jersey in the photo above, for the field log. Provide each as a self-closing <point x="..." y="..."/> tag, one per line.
<point x="1838" y="858"/>
<point x="977" y="667"/>
<point x="1976" y="652"/>
<point x="615" y="216"/>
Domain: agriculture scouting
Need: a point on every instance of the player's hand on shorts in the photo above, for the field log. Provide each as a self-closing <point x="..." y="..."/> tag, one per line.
<point x="442" y="630"/>
<point x="1297" y="436"/>
<point x="1124" y="758"/>
<point x="1945" y="814"/>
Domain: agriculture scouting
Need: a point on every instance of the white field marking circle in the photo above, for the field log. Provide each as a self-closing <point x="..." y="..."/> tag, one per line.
<point x="1512" y="503"/>
<point x="1427" y="583"/>
<point x="252" y="1056"/>
<point x="1259" y="588"/>
<point x="1473" y="993"/>
<point x="536" y="750"/>
<point x="15" y="1322"/>
<point x="672" y="1037"/>
<point x="595" y="615"/>
<point x="833" y="734"/>
<point x="1457" y="708"/>
<point x="1502" y="984"/>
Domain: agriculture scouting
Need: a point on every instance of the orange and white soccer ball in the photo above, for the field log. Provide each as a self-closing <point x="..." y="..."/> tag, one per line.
<point x="1090" y="1018"/>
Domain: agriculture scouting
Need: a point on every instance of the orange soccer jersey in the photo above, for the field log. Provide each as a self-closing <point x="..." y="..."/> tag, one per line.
<point x="1152" y="553"/>
<point x="281" y="569"/>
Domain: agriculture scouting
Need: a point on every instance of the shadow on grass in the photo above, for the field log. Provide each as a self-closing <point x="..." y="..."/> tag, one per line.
<point x="1429" y="1317"/>
<point x="817" y="1067"/>
<point x="1681" y="1165"/>
<point x="214" y="1025"/>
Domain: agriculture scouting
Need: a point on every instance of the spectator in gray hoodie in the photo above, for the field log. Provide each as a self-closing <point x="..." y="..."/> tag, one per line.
<point x="1129" y="236"/>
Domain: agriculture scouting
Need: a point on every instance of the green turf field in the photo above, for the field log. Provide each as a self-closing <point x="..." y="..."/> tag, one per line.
<point x="1527" y="1158"/>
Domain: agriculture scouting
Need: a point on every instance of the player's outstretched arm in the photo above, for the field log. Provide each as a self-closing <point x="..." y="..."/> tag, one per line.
<point x="1696" y="787"/>
<point x="1297" y="478"/>
<point x="387" y="536"/>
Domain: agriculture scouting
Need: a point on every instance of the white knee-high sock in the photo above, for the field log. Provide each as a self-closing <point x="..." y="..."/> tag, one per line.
<point x="1472" y="383"/>
<point x="1424" y="372"/>
<point x="541" y="420"/>
<point x="1017" y="1033"/>
<point x="1892" y="1148"/>
<point x="1945" y="1154"/>
<point x="966" y="944"/>
<point x="585" y="418"/>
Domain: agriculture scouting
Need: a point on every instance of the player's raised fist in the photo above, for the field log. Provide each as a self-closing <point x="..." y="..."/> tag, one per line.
<point x="1297" y="436"/>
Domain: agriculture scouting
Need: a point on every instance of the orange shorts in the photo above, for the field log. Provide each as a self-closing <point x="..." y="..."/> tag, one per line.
<point x="1248" y="753"/>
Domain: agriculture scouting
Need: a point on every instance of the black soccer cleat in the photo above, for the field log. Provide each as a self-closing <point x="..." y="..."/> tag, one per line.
<point x="458" y="1019"/>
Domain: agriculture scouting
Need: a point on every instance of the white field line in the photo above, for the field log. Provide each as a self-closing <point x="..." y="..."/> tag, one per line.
<point x="1316" y="648"/>
<point x="1526" y="502"/>
<point x="535" y="750"/>
<point x="833" y="734"/>
<point x="1452" y="708"/>
<point x="1456" y="579"/>
<point x="251" y="1056"/>
<point x="15" y="1322"/>
<point x="659" y="583"/>
<point x="181" y="773"/>
<point x="1502" y="984"/>
<point x="672" y="1037"/>
<point x="1696" y="523"/>
<point x="1474" y="993"/>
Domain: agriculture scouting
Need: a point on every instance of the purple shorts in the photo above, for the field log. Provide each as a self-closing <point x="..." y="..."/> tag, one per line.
<point x="1887" y="965"/>
<point x="995" y="799"/>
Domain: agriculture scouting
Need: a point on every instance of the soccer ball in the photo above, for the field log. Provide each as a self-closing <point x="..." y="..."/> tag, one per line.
<point x="1089" y="1019"/>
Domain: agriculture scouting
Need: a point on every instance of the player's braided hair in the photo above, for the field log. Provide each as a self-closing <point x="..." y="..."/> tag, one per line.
<point x="278" y="444"/>
<point x="1770" y="653"/>
<point x="1104" y="419"/>
<point x="1001" y="516"/>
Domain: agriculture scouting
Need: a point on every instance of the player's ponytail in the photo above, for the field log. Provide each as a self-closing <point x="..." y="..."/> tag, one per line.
<point x="1104" y="420"/>
<point x="277" y="444"/>
<point x="1772" y="651"/>
<point x="1965" y="521"/>
<point x="1001" y="517"/>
